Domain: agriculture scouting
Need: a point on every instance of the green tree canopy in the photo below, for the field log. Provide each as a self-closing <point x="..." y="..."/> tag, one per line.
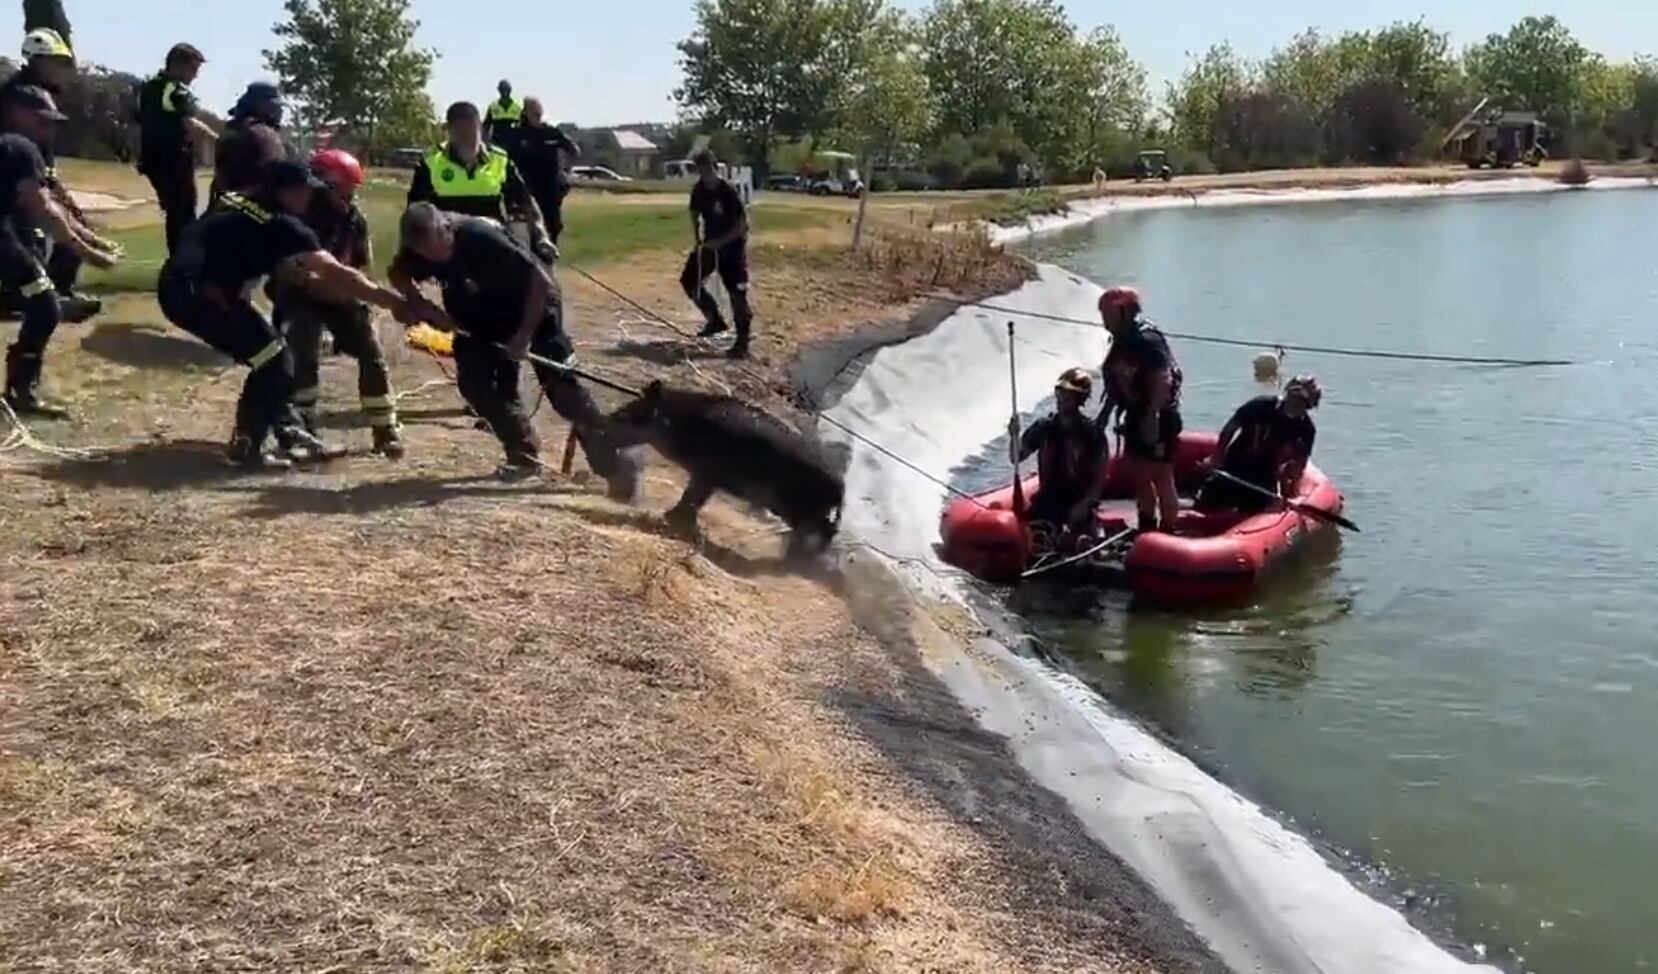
<point x="354" y="62"/>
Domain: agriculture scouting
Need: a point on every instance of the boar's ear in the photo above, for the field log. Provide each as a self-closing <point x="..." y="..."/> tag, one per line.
<point x="653" y="392"/>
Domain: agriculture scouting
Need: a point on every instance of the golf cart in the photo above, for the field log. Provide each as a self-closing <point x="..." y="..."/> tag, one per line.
<point x="1152" y="164"/>
<point x="835" y="175"/>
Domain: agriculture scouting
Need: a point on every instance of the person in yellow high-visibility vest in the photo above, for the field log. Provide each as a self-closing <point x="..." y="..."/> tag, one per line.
<point x="502" y="119"/>
<point x="468" y="176"/>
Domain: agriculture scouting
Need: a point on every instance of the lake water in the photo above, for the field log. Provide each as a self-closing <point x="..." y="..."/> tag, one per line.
<point x="1462" y="698"/>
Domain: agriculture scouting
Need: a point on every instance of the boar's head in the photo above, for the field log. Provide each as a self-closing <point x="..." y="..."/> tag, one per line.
<point x="640" y="421"/>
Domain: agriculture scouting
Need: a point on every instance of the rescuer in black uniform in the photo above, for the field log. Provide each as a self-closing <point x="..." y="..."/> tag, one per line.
<point x="168" y="135"/>
<point x="538" y="149"/>
<point x="720" y="223"/>
<point x="29" y="213"/>
<point x="207" y="284"/>
<point x="504" y="306"/>
<point x="49" y="64"/>
<point x="252" y="141"/>
<point x="343" y="231"/>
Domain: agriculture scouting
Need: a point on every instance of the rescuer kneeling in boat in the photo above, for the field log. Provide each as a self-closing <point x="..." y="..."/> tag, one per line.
<point x="1267" y="442"/>
<point x="1071" y="457"/>
<point x="1142" y="382"/>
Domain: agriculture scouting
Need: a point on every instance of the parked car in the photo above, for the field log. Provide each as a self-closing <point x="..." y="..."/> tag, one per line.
<point x="787" y="183"/>
<point x="684" y="170"/>
<point x="598" y="174"/>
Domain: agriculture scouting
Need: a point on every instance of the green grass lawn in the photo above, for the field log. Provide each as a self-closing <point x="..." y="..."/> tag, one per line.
<point x="599" y="228"/>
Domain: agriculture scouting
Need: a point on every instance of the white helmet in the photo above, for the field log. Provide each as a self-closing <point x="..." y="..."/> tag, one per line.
<point x="45" y="42"/>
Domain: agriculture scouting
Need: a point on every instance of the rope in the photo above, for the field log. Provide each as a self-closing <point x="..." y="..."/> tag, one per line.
<point x="1242" y="343"/>
<point x="21" y="438"/>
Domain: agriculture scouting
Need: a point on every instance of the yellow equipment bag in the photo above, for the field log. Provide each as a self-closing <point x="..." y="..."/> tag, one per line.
<point x="432" y="340"/>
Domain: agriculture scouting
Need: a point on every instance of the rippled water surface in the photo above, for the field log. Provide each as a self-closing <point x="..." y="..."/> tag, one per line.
<point x="1466" y="695"/>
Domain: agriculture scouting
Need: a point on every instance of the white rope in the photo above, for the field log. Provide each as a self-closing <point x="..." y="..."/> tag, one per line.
<point x="21" y="438"/>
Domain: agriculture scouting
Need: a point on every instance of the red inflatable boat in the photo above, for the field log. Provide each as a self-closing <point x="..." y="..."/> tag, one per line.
<point x="1212" y="558"/>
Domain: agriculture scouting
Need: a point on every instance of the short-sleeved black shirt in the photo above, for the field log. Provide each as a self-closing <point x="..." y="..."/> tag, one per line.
<point x="719" y="207"/>
<point x="163" y="107"/>
<point x="1267" y="437"/>
<point x="1068" y="457"/>
<point x="536" y="149"/>
<point x="237" y="244"/>
<point x="29" y="75"/>
<point x="485" y="281"/>
<point x="20" y="160"/>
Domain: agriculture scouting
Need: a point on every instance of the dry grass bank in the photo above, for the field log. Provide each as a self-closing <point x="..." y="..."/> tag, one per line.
<point x="396" y="717"/>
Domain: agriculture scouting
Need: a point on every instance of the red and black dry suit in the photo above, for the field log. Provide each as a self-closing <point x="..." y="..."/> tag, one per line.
<point x="1129" y="369"/>
<point x="1071" y="461"/>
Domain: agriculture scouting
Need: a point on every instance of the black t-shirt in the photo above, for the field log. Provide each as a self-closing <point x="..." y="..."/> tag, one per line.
<point x="237" y="244"/>
<point x="29" y="75"/>
<point x="1068" y="457"/>
<point x="536" y="150"/>
<point x="163" y="107"/>
<point x="1267" y="438"/>
<point x="720" y="207"/>
<point x="485" y="280"/>
<point x="1143" y="352"/>
<point x="19" y="161"/>
<point x="342" y="232"/>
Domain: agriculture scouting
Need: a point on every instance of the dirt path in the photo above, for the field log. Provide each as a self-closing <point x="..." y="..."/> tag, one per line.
<point x="399" y="717"/>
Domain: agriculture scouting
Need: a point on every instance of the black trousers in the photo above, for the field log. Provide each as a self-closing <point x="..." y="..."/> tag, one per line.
<point x="237" y="329"/>
<point x="23" y="274"/>
<point x="175" y="192"/>
<point x="488" y="381"/>
<point x="1220" y="494"/>
<point x="731" y="264"/>
<point x="552" y="212"/>
<point x="302" y="321"/>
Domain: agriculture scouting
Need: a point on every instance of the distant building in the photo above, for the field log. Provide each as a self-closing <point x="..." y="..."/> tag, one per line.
<point x="636" y="155"/>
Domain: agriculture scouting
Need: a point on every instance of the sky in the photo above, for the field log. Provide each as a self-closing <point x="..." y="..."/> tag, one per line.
<point x="611" y="62"/>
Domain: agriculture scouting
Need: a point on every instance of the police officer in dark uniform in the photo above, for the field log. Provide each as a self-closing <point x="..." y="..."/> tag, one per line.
<point x="343" y="231"/>
<point x="505" y="114"/>
<point x="468" y="176"/>
<point x="49" y="64"/>
<point x="206" y="286"/>
<point x="538" y="149"/>
<point x="720" y="223"/>
<point x="168" y="131"/>
<point x="252" y="141"/>
<point x="504" y="305"/>
<point x="27" y="208"/>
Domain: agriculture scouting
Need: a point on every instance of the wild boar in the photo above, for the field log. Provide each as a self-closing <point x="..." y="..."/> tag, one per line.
<point x="727" y="445"/>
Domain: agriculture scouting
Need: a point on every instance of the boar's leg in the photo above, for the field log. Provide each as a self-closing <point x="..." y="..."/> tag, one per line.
<point x="809" y="537"/>
<point x="571" y="400"/>
<point x="683" y="516"/>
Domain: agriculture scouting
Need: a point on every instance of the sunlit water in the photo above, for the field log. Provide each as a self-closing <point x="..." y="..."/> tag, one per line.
<point x="1464" y="698"/>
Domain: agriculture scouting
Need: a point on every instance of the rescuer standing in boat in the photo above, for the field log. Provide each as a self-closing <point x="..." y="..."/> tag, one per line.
<point x="1142" y="382"/>
<point x="1268" y="443"/>
<point x="1071" y="457"/>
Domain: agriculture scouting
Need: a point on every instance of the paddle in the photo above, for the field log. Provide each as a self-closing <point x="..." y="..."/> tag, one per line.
<point x="1013" y="427"/>
<point x="1306" y="509"/>
<point x="1080" y="556"/>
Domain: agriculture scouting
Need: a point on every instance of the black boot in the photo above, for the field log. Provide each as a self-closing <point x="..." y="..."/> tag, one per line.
<point x="247" y="453"/>
<point x="302" y="446"/>
<point x="388" y="442"/>
<point x="23" y="387"/>
<point x="76" y="308"/>
<point x="715" y="326"/>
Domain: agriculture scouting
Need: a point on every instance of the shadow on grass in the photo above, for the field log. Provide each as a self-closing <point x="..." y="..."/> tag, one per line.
<point x="729" y="560"/>
<point x="151" y="347"/>
<point x="171" y="465"/>
<point x="278" y="499"/>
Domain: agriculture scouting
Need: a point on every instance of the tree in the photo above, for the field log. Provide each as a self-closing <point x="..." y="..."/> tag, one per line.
<point x="1196" y="100"/>
<point x="1109" y="102"/>
<point x="1537" y="66"/>
<point x="353" y="62"/>
<point x="886" y="107"/>
<point x="1372" y="121"/>
<point x="1004" y="62"/>
<point x="771" y="68"/>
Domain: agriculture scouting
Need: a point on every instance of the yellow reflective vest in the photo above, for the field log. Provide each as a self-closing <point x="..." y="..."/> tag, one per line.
<point x="511" y="111"/>
<point x="451" y="180"/>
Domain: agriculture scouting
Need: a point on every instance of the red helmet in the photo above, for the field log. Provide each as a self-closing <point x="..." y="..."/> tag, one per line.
<point x="339" y="166"/>
<point x="1120" y="297"/>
